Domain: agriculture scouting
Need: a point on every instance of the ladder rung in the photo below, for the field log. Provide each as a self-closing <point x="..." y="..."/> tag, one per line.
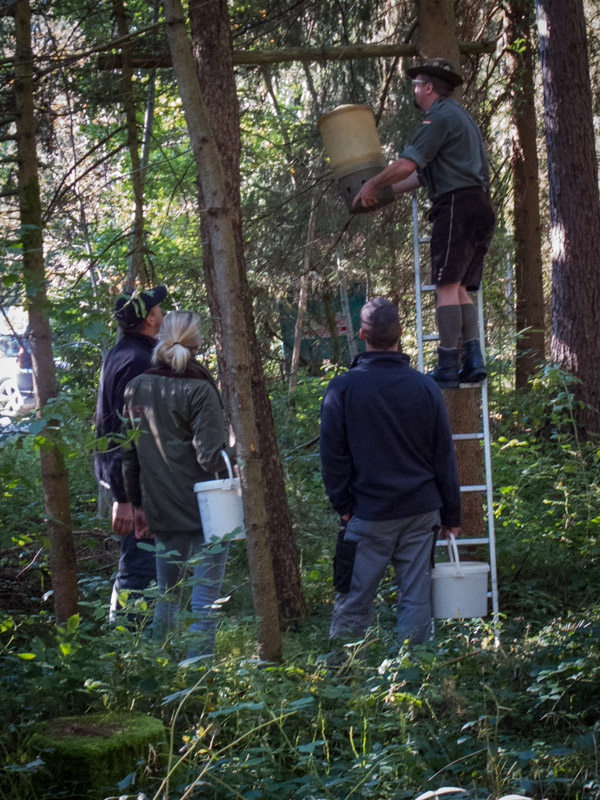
<point x="424" y="239"/>
<point x="459" y="541"/>
<point x="462" y="437"/>
<point x="428" y="287"/>
<point x="431" y="337"/>
<point x="475" y="487"/>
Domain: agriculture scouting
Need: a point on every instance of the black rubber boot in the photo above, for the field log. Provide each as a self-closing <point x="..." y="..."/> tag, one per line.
<point x="473" y="367"/>
<point x="446" y="372"/>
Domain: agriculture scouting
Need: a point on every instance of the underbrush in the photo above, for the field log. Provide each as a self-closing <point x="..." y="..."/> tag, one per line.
<point x="371" y="721"/>
<point x="379" y="723"/>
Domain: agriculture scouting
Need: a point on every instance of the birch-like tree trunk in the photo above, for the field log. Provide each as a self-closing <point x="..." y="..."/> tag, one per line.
<point x="302" y="301"/>
<point x="212" y="49"/>
<point x="54" y="473"/>
<point x="228" y="299"/>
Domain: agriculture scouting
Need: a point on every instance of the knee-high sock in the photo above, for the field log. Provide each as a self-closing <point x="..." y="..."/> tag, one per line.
<point x="449" y="322"/>
<point x="470" y="327"/>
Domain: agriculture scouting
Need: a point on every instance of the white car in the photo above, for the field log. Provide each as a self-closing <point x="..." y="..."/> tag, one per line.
<point x="16" y="375"/>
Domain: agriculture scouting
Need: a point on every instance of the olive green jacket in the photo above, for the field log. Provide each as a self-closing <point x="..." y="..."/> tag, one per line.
<point x="182" y="431"/>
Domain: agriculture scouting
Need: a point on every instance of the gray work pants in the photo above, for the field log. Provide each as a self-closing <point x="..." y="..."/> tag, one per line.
<point x="406" y="544"/>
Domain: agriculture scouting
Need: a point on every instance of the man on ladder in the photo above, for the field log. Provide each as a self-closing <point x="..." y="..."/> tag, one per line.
<point x="447" y="157"/>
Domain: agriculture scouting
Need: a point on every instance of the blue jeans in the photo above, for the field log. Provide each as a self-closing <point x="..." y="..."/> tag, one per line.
<point x="173" y="552"/>
<point x="406" y="544"/>
<point x="135" y="573"/>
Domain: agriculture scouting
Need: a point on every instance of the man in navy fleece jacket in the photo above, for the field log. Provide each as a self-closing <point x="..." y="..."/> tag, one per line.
<point x="390" y="473"/>
<point x="139" y="315"/>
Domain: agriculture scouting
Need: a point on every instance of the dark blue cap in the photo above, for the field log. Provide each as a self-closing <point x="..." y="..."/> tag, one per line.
<point x="132" y="308"/>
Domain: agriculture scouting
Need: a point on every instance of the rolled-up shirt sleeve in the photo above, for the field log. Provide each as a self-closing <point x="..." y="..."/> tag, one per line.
<point x="427" y="141"/>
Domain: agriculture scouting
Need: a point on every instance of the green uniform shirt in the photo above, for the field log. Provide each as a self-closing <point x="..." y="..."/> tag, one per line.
<point x="448" y="150"/>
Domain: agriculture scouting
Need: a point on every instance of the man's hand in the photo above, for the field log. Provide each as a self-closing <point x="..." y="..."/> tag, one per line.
<point x="140" y="524"/>
<point x="447" y="531"/>
<point x="367" y="196"/>
<point x="122" y="518"/>
<point x="345" y="517"/>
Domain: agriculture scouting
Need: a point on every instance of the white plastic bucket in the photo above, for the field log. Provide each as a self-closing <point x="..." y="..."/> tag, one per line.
<point x="220" y="504"/>
<point x="459" y="588"/>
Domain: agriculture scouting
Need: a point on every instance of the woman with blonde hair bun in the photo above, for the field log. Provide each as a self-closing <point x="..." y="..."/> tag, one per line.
<point x="178" y="339"/>
<point x="177" y="409"/>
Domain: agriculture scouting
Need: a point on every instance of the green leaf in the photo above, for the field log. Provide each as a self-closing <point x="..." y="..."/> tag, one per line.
<point x="309" y="748"/>
<point x="73" y="623"/>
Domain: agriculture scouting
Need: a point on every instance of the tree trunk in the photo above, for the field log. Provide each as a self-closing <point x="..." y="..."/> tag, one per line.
<point x="574" y="202"/>
<point x="136" y="256"/>
<point x="212" y="48"/>
<point x="295" y="361"/>
<point x="437" y="31"/>
<point x="302" y="300"/>
<point x="228" y="295"/>
<point x="54" y="473"/>
<point x="352" y="349"/>
<point x="525" y="172"/>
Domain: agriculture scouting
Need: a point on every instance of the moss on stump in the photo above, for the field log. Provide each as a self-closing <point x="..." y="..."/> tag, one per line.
<point x="94" y="751"/>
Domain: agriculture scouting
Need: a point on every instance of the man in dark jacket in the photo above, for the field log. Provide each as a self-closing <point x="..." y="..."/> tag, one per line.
<point x="139" y="316"/>
<point x="390" y="473"/>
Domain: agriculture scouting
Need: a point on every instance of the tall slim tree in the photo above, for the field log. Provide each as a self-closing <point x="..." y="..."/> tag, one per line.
<point x="136" y="256"/>
<point x="54" y="473"/>
<point x="574" y="201"/>
<point x="525" y="173"/>
<point x="217" y="162"/>
<point x="213" y="50"/>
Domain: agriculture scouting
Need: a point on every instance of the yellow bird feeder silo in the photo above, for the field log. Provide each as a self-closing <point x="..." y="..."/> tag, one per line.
<point x="352" y="145"/>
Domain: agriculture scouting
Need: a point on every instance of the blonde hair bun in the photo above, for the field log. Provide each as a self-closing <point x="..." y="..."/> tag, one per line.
<point x="179" y="336"/>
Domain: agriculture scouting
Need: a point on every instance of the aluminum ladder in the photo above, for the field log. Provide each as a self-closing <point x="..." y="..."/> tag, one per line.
<point x="490" y="539"/>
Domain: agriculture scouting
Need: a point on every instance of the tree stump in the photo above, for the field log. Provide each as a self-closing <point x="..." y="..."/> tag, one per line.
<point x="92" y="752"/>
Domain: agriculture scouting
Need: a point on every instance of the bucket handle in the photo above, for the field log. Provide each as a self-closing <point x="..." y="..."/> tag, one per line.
<point x="453" y="554"/>
<point x="227" y="464"/>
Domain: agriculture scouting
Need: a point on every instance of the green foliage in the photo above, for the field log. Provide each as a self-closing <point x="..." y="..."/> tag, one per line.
<point x="548" y="484"/>
<point x="367" y="720"/>
<point x="64" y="422"/>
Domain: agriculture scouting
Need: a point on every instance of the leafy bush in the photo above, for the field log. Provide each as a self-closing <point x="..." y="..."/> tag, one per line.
<point x="370" y="721"/>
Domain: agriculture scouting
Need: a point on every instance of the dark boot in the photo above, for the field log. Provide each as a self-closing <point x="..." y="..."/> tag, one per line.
<point x="473" y="367"/>
<point x="446" y="372"/>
